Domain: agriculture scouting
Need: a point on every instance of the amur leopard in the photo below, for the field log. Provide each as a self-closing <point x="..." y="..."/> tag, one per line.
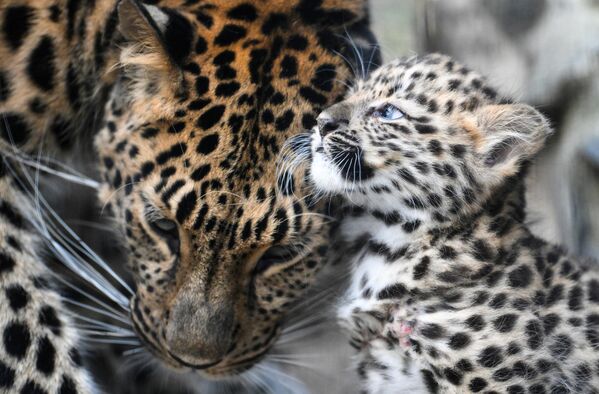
<point x="188" y="103"/>
<point x="450" y="290"/>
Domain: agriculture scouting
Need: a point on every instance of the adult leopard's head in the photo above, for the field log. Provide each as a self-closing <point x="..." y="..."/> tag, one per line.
<point x="208" y="93"/>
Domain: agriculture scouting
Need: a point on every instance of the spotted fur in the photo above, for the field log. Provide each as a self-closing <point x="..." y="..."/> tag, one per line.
<point x="451" y="292"/>
<point x="189" y="102"/>
<point x="39" y="350"/>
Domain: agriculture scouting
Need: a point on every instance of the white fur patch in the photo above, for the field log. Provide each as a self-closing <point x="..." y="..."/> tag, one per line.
<point x="159" y="17"/>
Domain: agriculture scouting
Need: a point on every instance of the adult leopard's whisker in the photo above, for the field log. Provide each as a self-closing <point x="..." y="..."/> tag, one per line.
<point x="65" y="255"/>
<point x="130" y="352"/>
<point x="88" y="295"/>
<point x="273" y="373"/>
<point x="121" y="318"/>
<point x="65" y="246"/>
<point x="72" y="177"/>
<point x="94" y="320"/>
<point x="71" y="237"/>
<point x="115" y="341"/>
<point x="97" y="260"/>
<point x="108" y="334"/>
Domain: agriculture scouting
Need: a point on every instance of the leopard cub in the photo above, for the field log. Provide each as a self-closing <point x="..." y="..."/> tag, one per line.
<point x="450" y="290"/>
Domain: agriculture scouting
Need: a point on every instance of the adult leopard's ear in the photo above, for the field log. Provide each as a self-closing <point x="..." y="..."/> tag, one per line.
<point x="332" y="13"/>
<point x="157" y="42"/>
<point x="344" y="26"/>
<point x="510" y="134"/>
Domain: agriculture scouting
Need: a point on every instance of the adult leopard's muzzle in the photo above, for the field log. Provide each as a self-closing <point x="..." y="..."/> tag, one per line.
<point x="199" y="335"/>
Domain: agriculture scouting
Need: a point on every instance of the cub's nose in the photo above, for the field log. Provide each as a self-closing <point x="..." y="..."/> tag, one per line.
<point x="327" y="127"/>
<point x="199" y="332"/>
<point x="334" y="118"/>
<point x="327" y="124"/>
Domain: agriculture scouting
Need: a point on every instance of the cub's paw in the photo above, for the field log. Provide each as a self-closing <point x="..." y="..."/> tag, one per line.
<point x="402" y="330"/>
<point x="401" y="325"/>
<point x="365" y="325"/>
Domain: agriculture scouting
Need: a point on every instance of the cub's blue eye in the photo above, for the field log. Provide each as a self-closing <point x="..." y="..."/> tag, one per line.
<point x="388" y="112"/>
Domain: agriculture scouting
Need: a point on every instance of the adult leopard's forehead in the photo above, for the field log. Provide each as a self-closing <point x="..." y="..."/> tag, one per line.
<point x="431" y="74"/>
<point x="209" y="161"/>
<point x="247" y="92"/>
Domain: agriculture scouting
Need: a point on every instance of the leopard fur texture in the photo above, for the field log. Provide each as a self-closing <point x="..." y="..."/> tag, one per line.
<point x="450" y="290"/>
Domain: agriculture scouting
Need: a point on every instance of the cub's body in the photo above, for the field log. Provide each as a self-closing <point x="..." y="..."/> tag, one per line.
<point x="450" y="291"/>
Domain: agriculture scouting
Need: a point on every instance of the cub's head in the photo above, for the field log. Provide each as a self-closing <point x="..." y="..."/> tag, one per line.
<point x="423" y="139"/>
<point x="206" y="95"/>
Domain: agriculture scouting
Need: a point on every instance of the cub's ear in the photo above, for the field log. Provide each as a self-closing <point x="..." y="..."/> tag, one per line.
<point x="509" y="135"/>
<point x="157" y="39"/>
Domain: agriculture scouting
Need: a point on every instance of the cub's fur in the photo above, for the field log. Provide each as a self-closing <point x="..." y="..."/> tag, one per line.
<point x="450" y="291"/>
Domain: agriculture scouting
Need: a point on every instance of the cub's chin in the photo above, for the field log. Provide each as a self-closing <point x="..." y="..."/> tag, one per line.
<point x="326" y="177"/>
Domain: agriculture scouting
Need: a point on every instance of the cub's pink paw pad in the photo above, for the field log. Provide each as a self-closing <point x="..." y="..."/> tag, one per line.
<point x="402" y="331"/>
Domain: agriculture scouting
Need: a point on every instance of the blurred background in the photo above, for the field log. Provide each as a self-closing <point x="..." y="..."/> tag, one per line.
<point x="543" y="52"/>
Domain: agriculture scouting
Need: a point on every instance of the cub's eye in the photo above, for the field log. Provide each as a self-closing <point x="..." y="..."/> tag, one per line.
<point x="168" y="230"/>
<point x="388" y="112"/>
<point x="278" y="254"/>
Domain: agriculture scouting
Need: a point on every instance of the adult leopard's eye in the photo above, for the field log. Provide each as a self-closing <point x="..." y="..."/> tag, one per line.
<point x="278" y="254"/>
<point x="164" y="225"/>
<point x="388" y="112"/>
<point x="168" y="230"/>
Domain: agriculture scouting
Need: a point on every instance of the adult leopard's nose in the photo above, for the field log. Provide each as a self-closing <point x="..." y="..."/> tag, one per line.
<point x="200" y="332"/>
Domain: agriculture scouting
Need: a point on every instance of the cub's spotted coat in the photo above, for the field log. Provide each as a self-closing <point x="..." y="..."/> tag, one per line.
<point x="450" y="291"/>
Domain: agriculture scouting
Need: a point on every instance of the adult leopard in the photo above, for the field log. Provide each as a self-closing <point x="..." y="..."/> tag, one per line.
<point x="190" y="102"/>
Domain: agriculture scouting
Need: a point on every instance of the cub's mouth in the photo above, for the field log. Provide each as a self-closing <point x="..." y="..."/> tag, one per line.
<point x="349" y="160"/>
<point x="337" y="161"/>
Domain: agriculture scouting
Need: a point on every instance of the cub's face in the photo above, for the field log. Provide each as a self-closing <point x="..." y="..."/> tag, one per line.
<point x="423" y="138"/>
<point x="207" y="95"/>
